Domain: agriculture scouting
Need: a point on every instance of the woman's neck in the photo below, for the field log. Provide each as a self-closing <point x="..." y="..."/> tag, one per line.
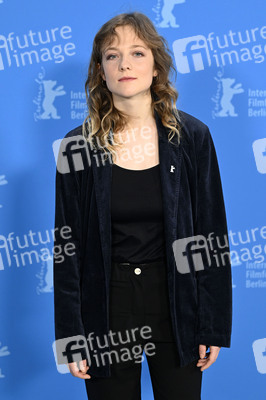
<point x="139" y="111"/>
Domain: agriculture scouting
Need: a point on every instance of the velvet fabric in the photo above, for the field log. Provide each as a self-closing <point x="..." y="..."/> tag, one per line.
<point x="193" y="204"/>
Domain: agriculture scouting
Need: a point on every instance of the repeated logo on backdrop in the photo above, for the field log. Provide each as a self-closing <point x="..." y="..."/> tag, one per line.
<point x="48" y="91"/>
<point x="45" y="276"/>
<point x="18" y="51"/>
<point x="46" y="99"/>
<point x="198" y="53"/>
<point x="165" y="17"/>
<point x="259" y="150"/>
<point x="259" y="350"/>
<point x="227" y="88"/>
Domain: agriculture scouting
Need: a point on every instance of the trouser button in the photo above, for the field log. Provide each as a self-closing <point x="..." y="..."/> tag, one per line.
<point x="137" y="271"/>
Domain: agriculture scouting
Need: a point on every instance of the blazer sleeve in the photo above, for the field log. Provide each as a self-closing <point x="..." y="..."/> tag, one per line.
<point x="214" y="281"/>
<point x="66" y="259"/>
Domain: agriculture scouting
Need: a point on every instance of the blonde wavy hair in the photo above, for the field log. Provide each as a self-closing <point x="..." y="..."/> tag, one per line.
<point x="103" y="117"/>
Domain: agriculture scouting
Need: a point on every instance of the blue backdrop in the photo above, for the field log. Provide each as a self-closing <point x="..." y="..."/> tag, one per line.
<point x="219" y="51"/>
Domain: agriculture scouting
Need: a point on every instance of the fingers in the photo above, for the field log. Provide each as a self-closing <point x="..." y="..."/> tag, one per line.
<point x="83" y="365"/>
<point x="80" y="372"/>
<point x="202" y="350"/>
<point x="206" y="361"/>
<point x="84" y="368"/>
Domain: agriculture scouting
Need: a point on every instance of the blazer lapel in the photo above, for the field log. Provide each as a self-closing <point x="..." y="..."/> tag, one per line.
<point x="170" y="167"/>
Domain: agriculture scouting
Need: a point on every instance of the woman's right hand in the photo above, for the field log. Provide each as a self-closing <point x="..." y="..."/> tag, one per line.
<point x="80" y="372"/>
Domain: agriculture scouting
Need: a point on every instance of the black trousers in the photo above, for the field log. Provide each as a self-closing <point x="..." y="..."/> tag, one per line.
<point x="140" y="319"/>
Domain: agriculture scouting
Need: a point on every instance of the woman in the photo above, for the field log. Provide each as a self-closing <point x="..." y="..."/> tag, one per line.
<point x="133" y="281"/>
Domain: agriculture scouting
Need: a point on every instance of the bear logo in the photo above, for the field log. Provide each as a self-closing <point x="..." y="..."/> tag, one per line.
<point x="49" y="96"/>
<point x="228" y="92"/>
<point x="167" y="15"/>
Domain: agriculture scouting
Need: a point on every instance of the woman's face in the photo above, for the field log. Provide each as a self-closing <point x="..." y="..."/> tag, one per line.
<point x="127" y="56"/>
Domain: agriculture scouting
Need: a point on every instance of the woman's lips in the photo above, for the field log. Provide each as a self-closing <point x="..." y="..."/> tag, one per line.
<point x="126" y="79"/>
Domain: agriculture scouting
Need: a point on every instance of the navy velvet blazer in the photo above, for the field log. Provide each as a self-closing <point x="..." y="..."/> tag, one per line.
<point x="200" y="297"/>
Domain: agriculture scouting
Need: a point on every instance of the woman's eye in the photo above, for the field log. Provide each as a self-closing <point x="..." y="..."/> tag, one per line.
<point x="113" y="55"/>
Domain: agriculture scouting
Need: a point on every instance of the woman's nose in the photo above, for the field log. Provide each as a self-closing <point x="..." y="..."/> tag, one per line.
<point x="124" y="64"/>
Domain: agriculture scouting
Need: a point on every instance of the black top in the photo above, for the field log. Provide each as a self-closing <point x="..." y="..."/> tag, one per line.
<point x="137" y="215"/>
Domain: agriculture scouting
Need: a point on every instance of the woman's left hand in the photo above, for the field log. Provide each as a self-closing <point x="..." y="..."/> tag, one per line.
<point x="210" y="357"/>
